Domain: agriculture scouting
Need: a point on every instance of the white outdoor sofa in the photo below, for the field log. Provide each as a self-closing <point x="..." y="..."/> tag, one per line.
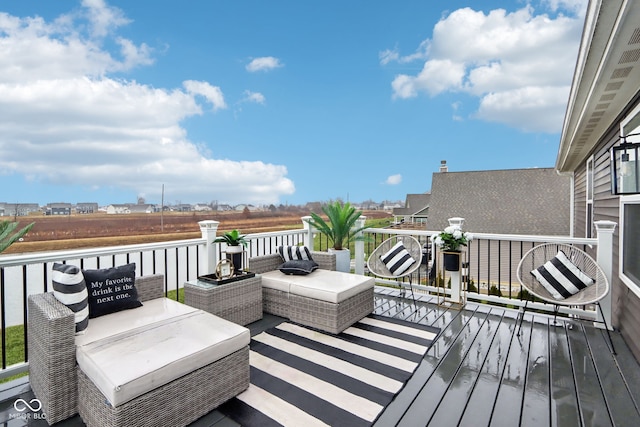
<point x="326" y="299"/>
<point x="162" y="362"/>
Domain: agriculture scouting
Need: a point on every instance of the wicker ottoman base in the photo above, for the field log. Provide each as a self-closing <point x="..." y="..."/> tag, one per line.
<point x="239" y="302"/>
<point x="177" y="403"/>
<point x="275" y="302"/>
<point x="329" y="317"/>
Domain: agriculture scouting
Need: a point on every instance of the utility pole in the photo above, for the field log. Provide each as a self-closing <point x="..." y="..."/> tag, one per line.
<point x="162" y="211"/>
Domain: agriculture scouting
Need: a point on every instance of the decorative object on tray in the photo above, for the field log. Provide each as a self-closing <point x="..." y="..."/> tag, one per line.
<point x="212" y="279"/>
<point x="340" y="230"/>
<point x="450" y="241"/>
<point x="236" y="243"/>
<point x="224" y="269"/>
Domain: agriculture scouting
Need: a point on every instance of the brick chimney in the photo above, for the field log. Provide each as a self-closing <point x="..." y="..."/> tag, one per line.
<point x="443" y="166"/>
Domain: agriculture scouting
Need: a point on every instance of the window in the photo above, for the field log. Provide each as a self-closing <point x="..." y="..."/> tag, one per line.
<point x="630" y="242"/>
<point x="589" y="202"/>
<point x="629" y="263"/>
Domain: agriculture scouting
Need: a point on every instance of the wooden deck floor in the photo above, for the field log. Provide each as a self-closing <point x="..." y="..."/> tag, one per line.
<point x="479" y="372"/>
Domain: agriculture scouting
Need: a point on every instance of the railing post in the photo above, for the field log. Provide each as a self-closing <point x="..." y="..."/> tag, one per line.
<point x="359" y="246"/>
<point x="604" y="230"/>
<point x="307" y="238"/>
<point x="209" y="229"/>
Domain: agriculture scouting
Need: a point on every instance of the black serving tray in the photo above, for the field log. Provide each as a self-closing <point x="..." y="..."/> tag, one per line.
<point x="211" y="278"/>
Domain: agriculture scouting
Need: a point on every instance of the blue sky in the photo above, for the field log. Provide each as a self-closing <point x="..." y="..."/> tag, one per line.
<point x="275" y="102"/>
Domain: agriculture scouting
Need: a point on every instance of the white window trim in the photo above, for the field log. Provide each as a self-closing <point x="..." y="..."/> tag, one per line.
<point x="590" y="178"/>
<point x="634" y="287"/>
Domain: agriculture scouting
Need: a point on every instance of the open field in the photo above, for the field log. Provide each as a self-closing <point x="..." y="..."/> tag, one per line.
<point x="96" y="230"/>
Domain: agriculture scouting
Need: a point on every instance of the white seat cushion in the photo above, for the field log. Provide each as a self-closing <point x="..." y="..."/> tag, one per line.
<point x="324" y="285"/>
<point x="330" y="286"/>
<point x="152" y="311"/>
<point x="134" y="362"/>
<point x="276" y="280"/>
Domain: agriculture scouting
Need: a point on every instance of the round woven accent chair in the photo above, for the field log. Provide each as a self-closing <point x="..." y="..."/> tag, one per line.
<point x="592" y="294"/>
<point x="377" y="266"/>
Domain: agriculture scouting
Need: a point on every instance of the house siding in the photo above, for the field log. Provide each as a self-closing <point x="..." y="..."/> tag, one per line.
<point x="625" y="304"/>
<point x="580" y="202"/>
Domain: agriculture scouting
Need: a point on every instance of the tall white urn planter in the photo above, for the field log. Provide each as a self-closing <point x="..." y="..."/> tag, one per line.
<point x="343" y="259"/>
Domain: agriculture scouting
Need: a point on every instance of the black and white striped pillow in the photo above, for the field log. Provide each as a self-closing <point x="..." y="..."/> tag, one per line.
<point x="397" y="259"/>
<point x="70" y="289"/>
<point x="561" y="277"/>
<point x="294" y="253"/>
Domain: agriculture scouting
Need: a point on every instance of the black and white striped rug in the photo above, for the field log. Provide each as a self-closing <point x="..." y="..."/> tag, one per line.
<point x="302" y="377"/>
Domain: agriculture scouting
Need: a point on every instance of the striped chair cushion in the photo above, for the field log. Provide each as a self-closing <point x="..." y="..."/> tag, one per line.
<point x="561" y="277"/>
<point x="397" y="259"/>
<point x="293" y="253"/>
<point x="70" y="289"/>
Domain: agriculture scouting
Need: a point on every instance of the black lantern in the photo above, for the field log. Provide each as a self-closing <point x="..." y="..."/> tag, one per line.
<point x="625" y="169"/>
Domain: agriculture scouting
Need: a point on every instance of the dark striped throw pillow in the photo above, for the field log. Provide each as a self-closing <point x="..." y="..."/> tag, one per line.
<point x="70" y="289"/>
<point x="561" y="277"/>
<point x="397" y="259"/>
<point x="293" y="253"/>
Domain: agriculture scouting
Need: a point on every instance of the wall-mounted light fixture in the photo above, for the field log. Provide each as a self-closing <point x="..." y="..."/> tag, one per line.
<point x="625" y="167"/>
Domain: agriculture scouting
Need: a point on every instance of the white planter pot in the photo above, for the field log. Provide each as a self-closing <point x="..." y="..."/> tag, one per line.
<point x="343" y="259"/>
<point x="234" y="249"/>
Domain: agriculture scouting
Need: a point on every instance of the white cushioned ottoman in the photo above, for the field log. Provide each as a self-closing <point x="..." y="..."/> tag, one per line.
<point x="130" y="363"/>
<point x="325" y="299"/>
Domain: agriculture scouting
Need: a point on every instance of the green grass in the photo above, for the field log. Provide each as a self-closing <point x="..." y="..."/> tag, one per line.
<point x="172" y="295"/>
<point x="15" y="349"/>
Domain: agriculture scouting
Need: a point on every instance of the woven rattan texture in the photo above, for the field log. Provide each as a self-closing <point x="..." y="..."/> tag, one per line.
<point x="52" y="356"/>
<point x="275" y="302"/>
<point x="265" y="263"/>
<point x="326" y="316"/>
<point x="52" y="351"/>
<point x="177" y="403"/>
<point x="239" y="302"/>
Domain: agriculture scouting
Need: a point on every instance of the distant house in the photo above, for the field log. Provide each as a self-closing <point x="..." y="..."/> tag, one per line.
<point x="86" y="208"/>
<point x="225" y="208"/>
<point x="118" y="209"/>
<point x="202" y="207"/>
<point x="142" y="208"/>
<point x="58" y="209"/>
<point x="18" y="209"/>
<point x="516" y="201"/>
<point x="415" y="210"/>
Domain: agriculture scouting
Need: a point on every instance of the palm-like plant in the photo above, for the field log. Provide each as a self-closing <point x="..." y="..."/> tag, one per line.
<point x="6" y="238"/>
<point x="232" y="238"/>
<point x="340" y="226"/>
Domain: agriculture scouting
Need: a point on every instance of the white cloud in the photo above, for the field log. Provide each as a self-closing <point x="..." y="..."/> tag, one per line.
<point x="64" y="121"/>
<point x="394" y="179"/>
<point x="437" y="76"/>
<point x="500" y="57"/>
<point x="213" y="94"/>
<point x="265" y="63"/>
<point x="103" y="18"/>
<point x="254" y="97"/>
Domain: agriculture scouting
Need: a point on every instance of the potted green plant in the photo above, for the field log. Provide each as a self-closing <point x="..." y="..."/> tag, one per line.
<point x="6" y="238"/>
<point x="450" y="241"/>
<point x="340" y="229"/>
<point x="236" y="243"/>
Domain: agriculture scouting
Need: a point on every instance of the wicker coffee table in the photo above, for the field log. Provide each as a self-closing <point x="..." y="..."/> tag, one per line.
<point x="239" y="302"/>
